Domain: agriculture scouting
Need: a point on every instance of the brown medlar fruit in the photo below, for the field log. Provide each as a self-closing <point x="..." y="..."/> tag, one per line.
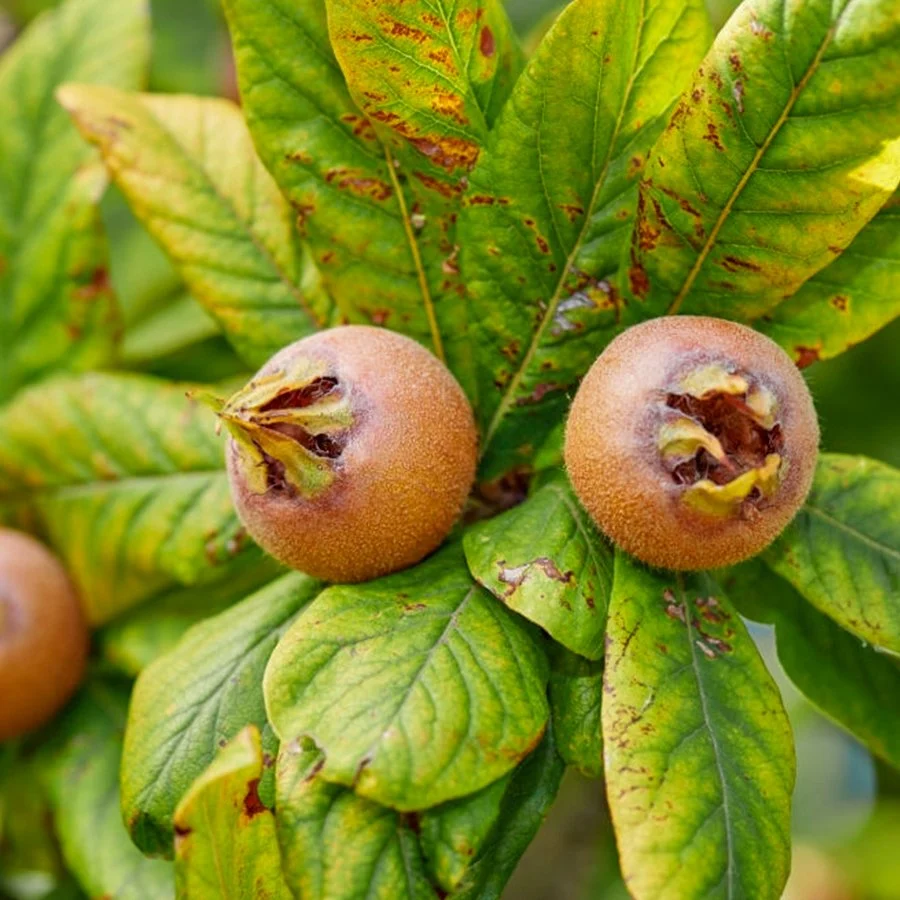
<point x="43" y="635"/>
<point x="352" y="453"/>
<point x="692" y="442"/>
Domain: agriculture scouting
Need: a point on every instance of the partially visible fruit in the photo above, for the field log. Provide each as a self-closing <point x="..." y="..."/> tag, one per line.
<point x="692" y="442"/>
<point x="351" y="454"/>
<point x="43" y="635"/>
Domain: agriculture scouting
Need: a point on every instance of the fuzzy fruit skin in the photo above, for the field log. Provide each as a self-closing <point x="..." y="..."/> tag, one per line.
<point x="402" y="478"/>
<point x="613" y="458"/>
<point x="43" y="635"/>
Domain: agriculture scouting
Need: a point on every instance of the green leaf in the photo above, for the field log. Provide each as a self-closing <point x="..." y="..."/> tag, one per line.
<point x="842" y="552"/>
<point x="196" y="698"/>
<point x="787" y="143"/>
<point x="847" y="301"/>
<point x="56" y="308"/>
<point x="380" y="220"/>
<point x="179" y="323"/>
<point x="142" y="275"/>
<point x="126" y="477"/>
<point x="545" y="560"/>
<point x="525" y="805"/>
<point x="81" y="768"/>
<point x="336" y="845"/>
<point x="549" y="205"/>
<point x="226" y="847"/>
<point x="28" y="847"/>
<point x="418" y="687"/>
<point x="188" y="169"/>
<point x="454" y="833"/>
<point x="576" y="694"/>
<point x="133" y="641"/>
<point x="699" y="752"/>
<point x="850" y="682"/>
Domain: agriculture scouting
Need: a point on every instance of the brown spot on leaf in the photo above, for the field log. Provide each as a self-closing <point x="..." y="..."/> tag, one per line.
<point x="735" y="264"/>
<point x="486" y="42"/>
<point x="317" y="767"/>
<point x="712" y="136"/>
<point x="443" y="58"/>
<point x="640" y="283"/>
<point x="432" y="20"/>
<point x="735" y="62"/>
<point x="450" y="105"/>
<point x="435" y="184"/>
<point x="682" y="111"/>
<point x="760" y="30"/>
<point x="840" y="302"/>
<point x="481" y="200"/>
<point x="540" y="391"/>
<point x="401" y="29"/>
<point x="98" y="285"/>
<point x="466" y="18"/>
<point x="805" y="356"/>
<point x="360" y="184"/>
<point x="360" y="37"/>
<point x="543" y="246"/>
<point x="647" y="235"/>
<point x="515" y="576"/>
<point x="448" y="152"/>
<point x="572" y="210"/>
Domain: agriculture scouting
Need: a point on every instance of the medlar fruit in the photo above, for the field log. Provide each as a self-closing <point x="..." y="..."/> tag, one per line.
<point x="692" y="442"/>
<point x="43" y="635"/>
<point x="352" y="452"/>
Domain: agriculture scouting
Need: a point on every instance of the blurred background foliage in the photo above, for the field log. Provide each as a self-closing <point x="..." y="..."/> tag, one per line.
<point x="847" y="806"/>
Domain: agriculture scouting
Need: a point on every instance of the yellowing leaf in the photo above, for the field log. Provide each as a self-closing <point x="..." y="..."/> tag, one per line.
<point x="57" y="310"/>
<point x="189" y="171"/>
<point x="779" y="153"/>
<point x="226" y="847"/>
<point x="699" y="756"/>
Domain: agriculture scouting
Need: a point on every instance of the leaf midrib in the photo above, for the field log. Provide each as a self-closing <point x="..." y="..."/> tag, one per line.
<point x="424" y="287"/>
<point x="426" y="662"/>
<point x="852" y="532"/>
<point x="106" y="483"/>
<point x="752" y="168"/>
<point x="421" y="274"/>
<point x="729" y="849"/>
<point x="506" y="400"/>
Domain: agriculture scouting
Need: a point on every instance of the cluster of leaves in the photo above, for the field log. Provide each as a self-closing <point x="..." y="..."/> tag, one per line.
<point x="405" y="738"/>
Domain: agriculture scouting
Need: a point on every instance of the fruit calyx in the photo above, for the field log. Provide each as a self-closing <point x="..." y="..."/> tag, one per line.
<point x="291" y="427"/>
<point x="721" y="440"/>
